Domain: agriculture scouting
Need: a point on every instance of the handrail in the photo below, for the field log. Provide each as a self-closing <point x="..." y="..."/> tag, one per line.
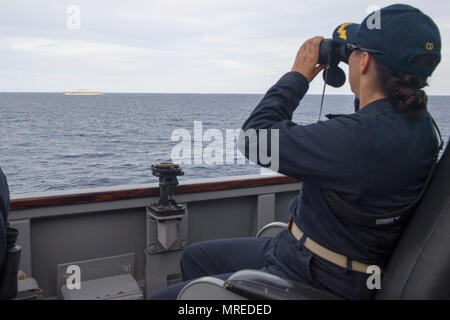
<point x="135" y="193"/>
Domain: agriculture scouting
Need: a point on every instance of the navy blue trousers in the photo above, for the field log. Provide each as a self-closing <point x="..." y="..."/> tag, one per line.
<point x="282" y="255"/>
<point x="218" y="258"/>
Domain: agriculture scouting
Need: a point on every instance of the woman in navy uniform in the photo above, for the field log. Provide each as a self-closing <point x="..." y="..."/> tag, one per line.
<point x="376" y="159"/>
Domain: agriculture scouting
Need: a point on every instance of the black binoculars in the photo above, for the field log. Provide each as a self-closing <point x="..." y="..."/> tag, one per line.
<point x="332" y="53"/>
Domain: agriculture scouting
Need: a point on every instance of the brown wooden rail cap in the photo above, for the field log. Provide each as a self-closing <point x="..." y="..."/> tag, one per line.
<point x="125" y="194"/>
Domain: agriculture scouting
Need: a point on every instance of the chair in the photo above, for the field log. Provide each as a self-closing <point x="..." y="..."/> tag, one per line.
<point x="419" y="267"/>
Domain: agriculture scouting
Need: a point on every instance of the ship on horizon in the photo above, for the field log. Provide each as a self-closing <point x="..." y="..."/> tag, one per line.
<point x="83" y="92"/>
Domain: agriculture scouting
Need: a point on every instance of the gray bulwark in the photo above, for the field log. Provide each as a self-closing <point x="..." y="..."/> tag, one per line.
<point x="89" y="231"/>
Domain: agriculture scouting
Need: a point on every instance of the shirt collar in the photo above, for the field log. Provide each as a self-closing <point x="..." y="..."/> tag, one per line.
<point x="382" y="106"/>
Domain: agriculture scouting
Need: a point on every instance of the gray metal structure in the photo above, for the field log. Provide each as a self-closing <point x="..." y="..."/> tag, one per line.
<point x="110" y="238"/>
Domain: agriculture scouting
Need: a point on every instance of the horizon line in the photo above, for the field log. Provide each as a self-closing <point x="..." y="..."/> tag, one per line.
<point x="197" y="93"/>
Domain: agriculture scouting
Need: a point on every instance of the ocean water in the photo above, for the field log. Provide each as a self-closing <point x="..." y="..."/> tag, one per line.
<point x="49" y="141"/>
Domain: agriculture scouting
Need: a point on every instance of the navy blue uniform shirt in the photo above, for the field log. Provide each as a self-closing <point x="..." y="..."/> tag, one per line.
<point x="4" y="212"/>
<point x="377" y="159"/>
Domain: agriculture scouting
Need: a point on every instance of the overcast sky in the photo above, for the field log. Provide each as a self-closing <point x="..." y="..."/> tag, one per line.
<point x="179" y="46"/>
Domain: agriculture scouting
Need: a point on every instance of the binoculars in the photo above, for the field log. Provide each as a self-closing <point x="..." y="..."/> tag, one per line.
<point x="332" y="53"/>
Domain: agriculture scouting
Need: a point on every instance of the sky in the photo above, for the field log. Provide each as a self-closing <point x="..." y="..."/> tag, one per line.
<point x="176" y="46"/>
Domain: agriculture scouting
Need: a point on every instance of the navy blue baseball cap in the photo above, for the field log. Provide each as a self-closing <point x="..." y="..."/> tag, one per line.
<point x="396" y="34"/>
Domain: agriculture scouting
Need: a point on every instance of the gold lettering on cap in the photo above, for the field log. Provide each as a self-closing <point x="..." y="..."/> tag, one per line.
<point x="429" y="46"/>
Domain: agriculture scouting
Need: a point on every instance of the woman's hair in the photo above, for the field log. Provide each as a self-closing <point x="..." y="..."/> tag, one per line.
<point x="406" y="89"/>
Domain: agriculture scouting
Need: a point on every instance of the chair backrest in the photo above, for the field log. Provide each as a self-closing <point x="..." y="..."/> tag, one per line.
<point x="420" y="265"/>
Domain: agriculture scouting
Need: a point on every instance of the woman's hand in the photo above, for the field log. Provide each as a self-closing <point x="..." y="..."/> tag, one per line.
<point x="307" y="59"/>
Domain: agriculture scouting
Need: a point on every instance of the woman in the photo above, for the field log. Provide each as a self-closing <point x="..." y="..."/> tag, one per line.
<point x="376" y="160"/>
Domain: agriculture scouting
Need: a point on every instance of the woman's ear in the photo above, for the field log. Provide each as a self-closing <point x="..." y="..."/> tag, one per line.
<point x="366" y="60"/>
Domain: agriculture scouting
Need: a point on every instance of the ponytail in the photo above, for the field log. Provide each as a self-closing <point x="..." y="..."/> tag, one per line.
<point x="405" y="89"/>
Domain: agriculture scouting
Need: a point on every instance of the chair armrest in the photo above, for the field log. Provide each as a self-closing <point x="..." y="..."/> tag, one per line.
<point x="207" y="288"/>
<point x="270" y="230"/>
<point x="255" y="284"/>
